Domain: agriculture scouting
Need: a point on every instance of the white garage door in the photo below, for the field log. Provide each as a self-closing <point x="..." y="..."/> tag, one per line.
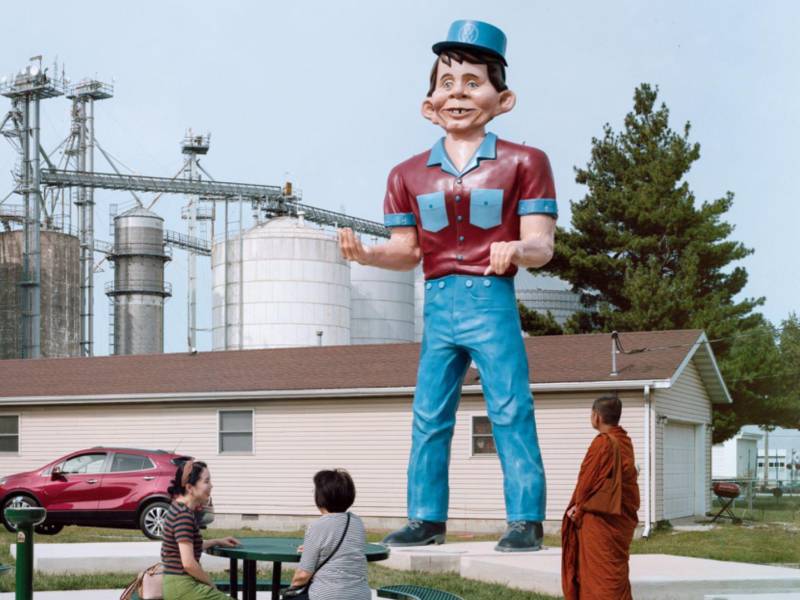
<point x="679" y="465"/>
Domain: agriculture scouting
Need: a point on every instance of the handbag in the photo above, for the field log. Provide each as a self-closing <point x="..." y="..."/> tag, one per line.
<point x="300" y="592"/>
<point x="608" y="499"/>
<point x="148" y="585"/>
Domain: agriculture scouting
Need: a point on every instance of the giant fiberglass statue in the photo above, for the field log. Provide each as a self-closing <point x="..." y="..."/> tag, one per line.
<point x="473" y="208"/>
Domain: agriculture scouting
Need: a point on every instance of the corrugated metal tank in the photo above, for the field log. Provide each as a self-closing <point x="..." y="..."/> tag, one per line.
<point x="60" y="293"/>
<point x="562" y="304"/>
<point x="382" y="305"/>
<point x="295" y="284"/>
<point x="544" y="293"/>
<point x="138" y="289"/>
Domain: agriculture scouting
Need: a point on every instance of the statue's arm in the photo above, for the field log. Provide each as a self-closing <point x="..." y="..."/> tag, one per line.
<point x="400" y="253"/>
<point x="534" y="249"/>
<point x="537" y="239"/>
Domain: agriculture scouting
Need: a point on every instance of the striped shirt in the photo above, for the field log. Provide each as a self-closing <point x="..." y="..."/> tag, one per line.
<point x="344" y="576"/>
<point x="180" y="525"/>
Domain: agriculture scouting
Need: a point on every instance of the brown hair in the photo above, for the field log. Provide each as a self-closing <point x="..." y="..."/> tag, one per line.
<point x="494" y="66"/>
<point x="188" y="472"/>
<point x="609" y="408"/>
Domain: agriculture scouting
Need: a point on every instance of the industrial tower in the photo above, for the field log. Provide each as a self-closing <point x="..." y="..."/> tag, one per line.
<point x="26" y="89"/>
<point x="81" y="149"/>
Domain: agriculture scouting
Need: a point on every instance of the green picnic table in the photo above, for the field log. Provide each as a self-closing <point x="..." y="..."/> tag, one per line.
<point x="277" y="550"/>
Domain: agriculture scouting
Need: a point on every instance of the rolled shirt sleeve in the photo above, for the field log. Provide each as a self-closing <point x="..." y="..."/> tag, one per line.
<point x="537" y="189"/>
<point x="397" y="205"/>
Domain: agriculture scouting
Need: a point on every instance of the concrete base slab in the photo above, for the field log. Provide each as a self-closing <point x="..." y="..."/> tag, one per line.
<point x="653" y="576"/>
<point x="111" y="557"/>
<point x="432" y="559"/>
<point x="694" y="527"/>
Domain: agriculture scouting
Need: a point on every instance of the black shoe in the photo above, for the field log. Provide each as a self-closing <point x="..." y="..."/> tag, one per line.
<point x="521" y="536"/>
<point x="417" y="533"/>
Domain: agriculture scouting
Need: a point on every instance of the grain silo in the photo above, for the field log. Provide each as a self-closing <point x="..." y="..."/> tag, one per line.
<point x="291" y="288"/>
<point x="382" y="305"/>
<point x="60" y="293"/>
<point x="138" y="289"/>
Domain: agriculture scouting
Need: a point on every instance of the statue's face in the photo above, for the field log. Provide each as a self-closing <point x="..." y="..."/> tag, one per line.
<point x="464" y="99"/>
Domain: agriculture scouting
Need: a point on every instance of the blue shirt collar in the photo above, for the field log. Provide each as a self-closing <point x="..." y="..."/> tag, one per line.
<point x="486" y="151"/>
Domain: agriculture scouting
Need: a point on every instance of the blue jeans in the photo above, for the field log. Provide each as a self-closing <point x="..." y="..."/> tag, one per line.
<point x="473" y="318"/>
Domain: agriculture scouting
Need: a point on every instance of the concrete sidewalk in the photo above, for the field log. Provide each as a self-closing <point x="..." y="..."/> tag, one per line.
<point x="100" y="595"/>
<point x="653" y="576"/>
<point x="786" y="596"/>
<point x="107" y="557"/>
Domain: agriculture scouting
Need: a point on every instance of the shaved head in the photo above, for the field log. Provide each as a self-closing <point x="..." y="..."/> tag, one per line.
<point x="609" y="408"/>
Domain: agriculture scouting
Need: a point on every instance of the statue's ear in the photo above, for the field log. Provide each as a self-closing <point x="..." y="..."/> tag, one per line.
<point x="428" y="112"/>
<point x="508" y="100"/>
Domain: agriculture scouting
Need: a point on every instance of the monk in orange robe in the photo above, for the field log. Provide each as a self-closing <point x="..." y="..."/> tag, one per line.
<point x="598" y="526"/>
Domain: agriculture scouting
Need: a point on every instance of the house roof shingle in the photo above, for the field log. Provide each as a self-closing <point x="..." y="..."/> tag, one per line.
<point x="553" y="359"/>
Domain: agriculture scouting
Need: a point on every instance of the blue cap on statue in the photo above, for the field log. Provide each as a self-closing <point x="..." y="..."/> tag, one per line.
<point x="475" y="35"/>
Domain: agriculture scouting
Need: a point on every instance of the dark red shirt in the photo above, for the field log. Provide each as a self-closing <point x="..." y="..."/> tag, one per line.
<point x="458" y="215"/>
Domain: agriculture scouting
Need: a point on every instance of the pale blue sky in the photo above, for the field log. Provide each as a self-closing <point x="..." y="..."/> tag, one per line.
<point x="329" y="93"/>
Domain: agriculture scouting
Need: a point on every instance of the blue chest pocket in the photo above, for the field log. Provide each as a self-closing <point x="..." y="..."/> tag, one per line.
<point x="486" y="208"/>
<point x="432" y="211"/>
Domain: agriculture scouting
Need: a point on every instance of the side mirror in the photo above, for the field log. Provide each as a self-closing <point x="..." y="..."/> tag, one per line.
<point x="56" y="473"/>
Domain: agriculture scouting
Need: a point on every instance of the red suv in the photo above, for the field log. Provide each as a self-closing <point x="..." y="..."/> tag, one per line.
<point x="99" y="487"/>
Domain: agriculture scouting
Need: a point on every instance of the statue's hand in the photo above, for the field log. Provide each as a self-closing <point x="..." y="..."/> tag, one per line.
<point x="501" y="255"/>
<point x="352" y="248"/>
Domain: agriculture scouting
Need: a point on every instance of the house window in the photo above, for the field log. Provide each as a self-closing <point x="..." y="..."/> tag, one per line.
<point x="235" y="431"/>
<point x="9" y="433"/>
<point x="482" y="440"/>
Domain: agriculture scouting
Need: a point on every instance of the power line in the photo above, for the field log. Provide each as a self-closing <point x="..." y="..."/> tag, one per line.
<point x="621" y="349"/>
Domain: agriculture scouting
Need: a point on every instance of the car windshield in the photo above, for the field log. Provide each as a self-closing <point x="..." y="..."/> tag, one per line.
<point x="84" y="463"/>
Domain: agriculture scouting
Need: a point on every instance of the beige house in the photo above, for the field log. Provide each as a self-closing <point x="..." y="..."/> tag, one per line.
<point x="267" y="420"/>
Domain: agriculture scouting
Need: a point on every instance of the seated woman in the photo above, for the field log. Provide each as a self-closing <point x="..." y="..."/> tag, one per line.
<point x="344" y="572"/>
<point x="184" y="578"/>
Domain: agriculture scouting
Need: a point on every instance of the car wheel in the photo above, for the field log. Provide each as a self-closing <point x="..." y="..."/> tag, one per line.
<point x="48" y="528"/>
<point x="151" y="521"/>
<point x="17" y="501"/>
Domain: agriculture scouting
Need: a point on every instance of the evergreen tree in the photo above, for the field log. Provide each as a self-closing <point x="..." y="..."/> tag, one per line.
<point x="789" y="379"/>
<point x="644" y="255"/>
<point x="535" y="323"/>
<point x="762" y="371"/>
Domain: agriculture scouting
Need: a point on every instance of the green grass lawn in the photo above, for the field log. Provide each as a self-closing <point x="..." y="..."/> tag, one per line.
<point x="767" y="509"/>
<point x="765" y="544"/>
<point x="770" y="540"/>
<point x="378" y="575"/>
